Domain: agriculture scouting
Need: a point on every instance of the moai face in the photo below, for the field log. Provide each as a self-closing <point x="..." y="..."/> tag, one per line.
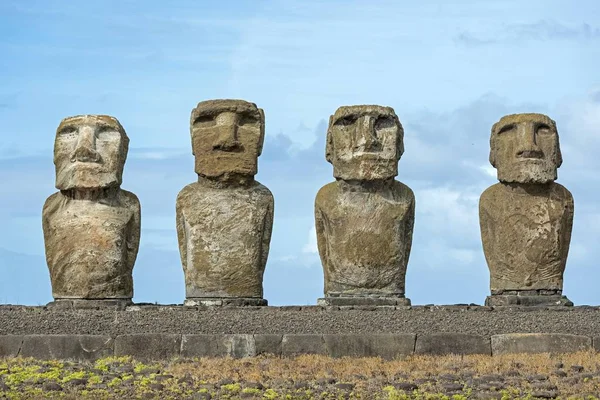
<point x="364" y="142"/>
<point x="89" y="152"/>
<point x="524" y="148"/>
<point x="227" y="137"/>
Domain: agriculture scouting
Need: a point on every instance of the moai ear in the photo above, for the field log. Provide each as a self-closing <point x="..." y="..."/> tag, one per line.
<point x="261" y="140"/>
<point x="329" y="143"/>
<point x="558" y="154"/>
<point x="493" y="147"/>
<point x="192" y="115"/>
<point x="124" y="152"/>
<point x="559" y="158"/>
<point x="400" y="146"/>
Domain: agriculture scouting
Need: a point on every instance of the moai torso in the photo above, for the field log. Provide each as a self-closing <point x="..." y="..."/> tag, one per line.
<point x="224" y="220"/>
<point x="526" y="235"/>
<point x="224" y="239"/>
<point x="527" y="218"/>
<point x="364" y="220"/>
<point x="365" y="237"/>
<point x="91" y="227"/>
<point x="91" y="246"/>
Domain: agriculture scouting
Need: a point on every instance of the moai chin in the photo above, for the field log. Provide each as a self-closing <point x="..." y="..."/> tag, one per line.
<point x="91" y="226"/>
<point x="224" y="220"/>
<point x="526" y="219"/>
<point x="364" y="220"/>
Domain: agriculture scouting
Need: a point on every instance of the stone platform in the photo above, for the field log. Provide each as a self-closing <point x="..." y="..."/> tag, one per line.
<point x="160" y="332"/>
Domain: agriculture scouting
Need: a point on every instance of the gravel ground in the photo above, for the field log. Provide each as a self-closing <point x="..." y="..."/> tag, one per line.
<point x="317" y="320"/>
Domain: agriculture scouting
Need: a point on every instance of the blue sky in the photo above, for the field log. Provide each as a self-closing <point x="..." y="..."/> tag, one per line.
<point x="450" y="69"/>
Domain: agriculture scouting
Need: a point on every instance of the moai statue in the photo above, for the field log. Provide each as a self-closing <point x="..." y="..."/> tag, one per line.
<point x="92" y="226"/>
<point x="527" y="218"/>
<point x="224" y="220"/>
<point x="364" y="220"/>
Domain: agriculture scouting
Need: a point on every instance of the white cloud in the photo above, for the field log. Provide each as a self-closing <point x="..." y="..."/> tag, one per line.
<point x="311" y="245"/>
<point x="488" y="170"/>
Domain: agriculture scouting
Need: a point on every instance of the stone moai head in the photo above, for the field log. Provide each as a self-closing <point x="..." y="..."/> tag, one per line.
<point x="227" y="137"/>
<point x="524" y="148"/>
<point x="90" y="152"/>
<point x="364" y="142"/>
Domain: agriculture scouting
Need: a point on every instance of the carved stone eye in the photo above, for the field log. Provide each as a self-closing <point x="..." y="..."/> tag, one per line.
<point x="384" y="123"/>
<point x="204" y="120"/>
<point x="247" y="120"/>
<point x="68" y="132"/>
<point x="346" y="121"/>
<point x="106" y="132"/>
<point x="543" y="129"/>
<point x="506" y="129"/>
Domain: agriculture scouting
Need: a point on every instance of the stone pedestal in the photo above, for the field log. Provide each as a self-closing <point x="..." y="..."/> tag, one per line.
<point x="363" y="301"/>
<point x="95" y="304"/>
<point x="224" y="302"/>
<point x="528" y="298"/>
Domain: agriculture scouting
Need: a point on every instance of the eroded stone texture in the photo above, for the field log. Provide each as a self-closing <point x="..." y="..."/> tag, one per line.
<point x="92" y="226"/>
<point x="224" y="220"/>
<point x="364" y="220"/>
<point x="527" y="218"/>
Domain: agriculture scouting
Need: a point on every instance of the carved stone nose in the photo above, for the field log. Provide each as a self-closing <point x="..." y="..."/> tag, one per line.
<point x="228" y="139"/>
<point x="366" y="129"/>
<point x="86" y="154"/>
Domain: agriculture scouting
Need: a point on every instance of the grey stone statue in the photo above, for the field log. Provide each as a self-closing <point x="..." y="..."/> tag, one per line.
<point x="526" y="219"/>
<point x="224" y="220"/>
<point x="364" y="220"/>
<point x="91" y="226"/>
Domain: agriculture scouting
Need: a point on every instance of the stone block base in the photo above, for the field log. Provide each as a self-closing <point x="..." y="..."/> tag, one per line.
<point x="91" y="304"/>
<point x="224" y="301"/>
<point x="528" y="298"/>
<point x="363" y="301"/>
<point x="511" y="343"/>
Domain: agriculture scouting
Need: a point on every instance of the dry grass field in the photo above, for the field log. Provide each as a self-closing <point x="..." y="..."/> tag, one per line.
<point x="570" y="376"/>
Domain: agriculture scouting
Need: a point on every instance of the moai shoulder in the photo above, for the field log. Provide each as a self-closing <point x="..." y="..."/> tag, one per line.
<point x="224" y="221"/>
<point x="526" y="219"/>
<point x="91" y="226"/>
<point x="364" y="221"/>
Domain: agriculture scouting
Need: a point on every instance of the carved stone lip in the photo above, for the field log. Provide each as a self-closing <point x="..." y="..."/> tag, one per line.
<point x="91" y="162"/>
<point x="530" y="155"/>
<point x="376" y="154"/>
<point x="234" y="149"/>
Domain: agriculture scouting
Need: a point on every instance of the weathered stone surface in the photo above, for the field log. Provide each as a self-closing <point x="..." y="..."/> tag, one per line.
<point x="268" y="344"/>
<point x="526" y="219"/>
<point x="10" y="345"/>
<point x="78" y="347"/>
<point x="364" y="301"/>
<point x="201" y="346"/>
<point x="364" y="220"/>
<point x="452" y="343"/>
<point x="224" y="220"/>
<point x="77" y="304"/>
<point x="303" y="344"/>
<point x="539" y="343"/>
<point x="226" y="302"/>
<point x="235" y="346"/>
<point x="596" y="343"/>
<point x="387" y="346"/>
<point x="501" y="300"/>
<point x="91" y="227"/>
<point x="151" y="346"/>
